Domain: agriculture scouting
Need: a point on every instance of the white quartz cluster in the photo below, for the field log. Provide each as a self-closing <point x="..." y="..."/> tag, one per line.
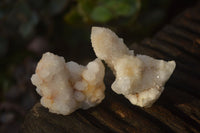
<point x="139" y="78"/>
<point x="65" y="87"/>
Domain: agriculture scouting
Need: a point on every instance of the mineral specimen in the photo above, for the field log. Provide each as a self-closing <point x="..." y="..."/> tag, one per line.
<point x="65" y="87"/>
<point x="139" y="78"/>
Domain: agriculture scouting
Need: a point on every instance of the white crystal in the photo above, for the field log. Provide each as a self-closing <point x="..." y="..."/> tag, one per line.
<point x="139" y="78"/>
<point x="63" y="86"/>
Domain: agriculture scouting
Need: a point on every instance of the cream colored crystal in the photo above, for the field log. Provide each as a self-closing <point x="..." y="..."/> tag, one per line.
<point x="65" y="87"/>
<point x="139" y="78"/>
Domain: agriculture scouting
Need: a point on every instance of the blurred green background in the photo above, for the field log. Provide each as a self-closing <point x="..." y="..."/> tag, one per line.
<point x="28" y="28"/>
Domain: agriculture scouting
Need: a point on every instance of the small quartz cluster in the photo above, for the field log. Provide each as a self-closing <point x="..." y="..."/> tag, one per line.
<point x="139" y="78"/>
<point x="65" y="87"/>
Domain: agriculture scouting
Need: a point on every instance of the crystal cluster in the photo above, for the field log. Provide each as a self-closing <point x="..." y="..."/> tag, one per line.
<point x="65" y="87"/>
<point x="139" y="78"/>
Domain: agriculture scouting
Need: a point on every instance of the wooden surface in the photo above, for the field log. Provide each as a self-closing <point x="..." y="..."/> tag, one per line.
<point x="178" y="108"/>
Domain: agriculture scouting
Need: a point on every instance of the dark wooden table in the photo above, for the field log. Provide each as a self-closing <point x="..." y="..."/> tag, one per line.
<point x="177" y="110"/>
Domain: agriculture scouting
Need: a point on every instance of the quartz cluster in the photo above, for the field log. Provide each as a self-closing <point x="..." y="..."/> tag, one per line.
<point x="65" y="87"/>
<point x="139" y="78"/>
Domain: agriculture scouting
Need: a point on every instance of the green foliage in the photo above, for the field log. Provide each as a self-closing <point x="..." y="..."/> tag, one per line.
<point x="73" y="17"/>
<point x="102" y="11"/>
<point x="101" y="14"/>
<point x="123" y="7"/>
